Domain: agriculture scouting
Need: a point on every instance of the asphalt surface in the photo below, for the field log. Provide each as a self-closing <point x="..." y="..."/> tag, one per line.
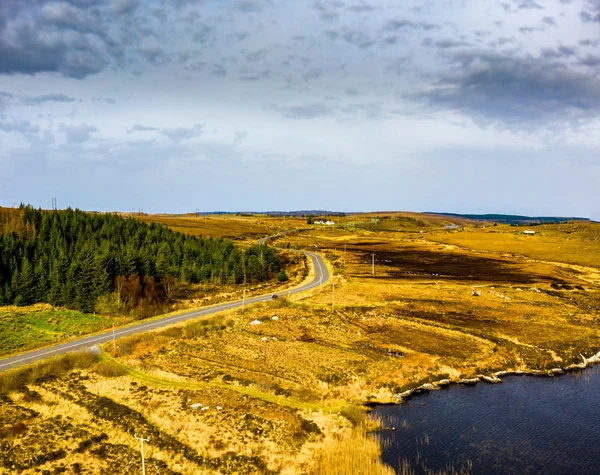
<point x="321" y="276"/>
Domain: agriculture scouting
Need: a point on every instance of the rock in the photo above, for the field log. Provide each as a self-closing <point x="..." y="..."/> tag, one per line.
<point x="255" y="322"/>
<point x="476" y="293"/>
<point x="406" y="394"/>
<point x="469" y="381"/>
<point x="274" y="317"/>
<point x="443" y="383"/>
<point x="519" y="372"/>
<point x="537" y="372"/>
<point x="557" y="371"/>
<point x="264" y="338"/>
<point x="491" y="379"/>
<point x="196" y="405"/>
<point x="502" y="373"/>
<point x="575" y="366"/>
<point x="95" y="350"/>
<point x="428" y="387"/>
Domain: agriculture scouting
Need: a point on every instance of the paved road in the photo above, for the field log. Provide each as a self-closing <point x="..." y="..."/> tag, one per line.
<point x="321" y="275"/>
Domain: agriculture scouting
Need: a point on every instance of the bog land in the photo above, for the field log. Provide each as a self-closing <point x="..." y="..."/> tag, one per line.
<point x="283" y="386"/>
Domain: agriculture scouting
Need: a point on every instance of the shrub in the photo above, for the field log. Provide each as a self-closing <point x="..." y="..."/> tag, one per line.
<point x="355" y="415"/>
<point x="109" y="369"/>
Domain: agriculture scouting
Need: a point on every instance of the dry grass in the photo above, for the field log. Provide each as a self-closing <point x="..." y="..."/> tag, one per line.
<point x="291" y="389"/>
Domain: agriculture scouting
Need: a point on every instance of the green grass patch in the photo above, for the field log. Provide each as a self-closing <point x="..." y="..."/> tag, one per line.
<point x="26" y="328"/>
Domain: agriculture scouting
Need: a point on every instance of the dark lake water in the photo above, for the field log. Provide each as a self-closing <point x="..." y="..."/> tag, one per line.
<point x="525" y="425"/>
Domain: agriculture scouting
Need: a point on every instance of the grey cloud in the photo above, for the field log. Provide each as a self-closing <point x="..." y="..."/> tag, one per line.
<point x="21" y="99"/>
<point x="77" y="133"/>
<point x="176" y="134"/>
<point x="444" y="44"/>
<point x="591" y="13"/>
<point x="18" y="125"/>
<point x="123" y="6"/>
<point x="141" y="128"/>
<point x="328" y="9"/>
<point x="528" y="5"/>
<point x="399" y="24"/>
<point x="514" y="90"/>
<point x="60" y="13"/>
<point x="527" y="30"/>
<point x="560" y="52"/>
<point x="356" y="38"/>
<point x="361" y="8"/>
<point x="591" y="61"/>
<point x="106" y="100"/>
<point x="309" y="111"/>
<point x="248" y="5"/>
<point x="37" y="37"/>
<point x="179" y="134"/>
<point x="548" y="20"/>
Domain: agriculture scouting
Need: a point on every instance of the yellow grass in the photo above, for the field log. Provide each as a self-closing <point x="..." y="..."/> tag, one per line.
<point x="440" y="305"/>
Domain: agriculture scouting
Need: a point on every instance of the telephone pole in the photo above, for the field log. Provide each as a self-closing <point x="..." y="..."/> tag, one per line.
<point x="372" y="264"/>
<point x="142" y="440"/>
<point x="114" y="341"/>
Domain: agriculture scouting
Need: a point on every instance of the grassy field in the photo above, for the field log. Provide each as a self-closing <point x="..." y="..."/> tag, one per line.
<point x="282" y="387"/>
<point x="24" y="328"/>
<point x="243" y="229"/>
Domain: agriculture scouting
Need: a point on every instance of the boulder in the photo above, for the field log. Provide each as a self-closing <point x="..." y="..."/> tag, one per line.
<point x="469" y="381"/>
<point x="537" y="372"/>
<point x="428" y="387"/>
<point x="443" y="383"/>
<point x="491" y="379"/>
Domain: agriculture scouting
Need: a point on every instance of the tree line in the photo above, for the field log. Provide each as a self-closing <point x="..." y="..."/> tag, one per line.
<point x="77" y="259"/>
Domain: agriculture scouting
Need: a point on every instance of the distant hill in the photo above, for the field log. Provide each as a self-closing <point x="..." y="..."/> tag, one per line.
<point x="512" y="218"/>
<point x="313" y="212"/>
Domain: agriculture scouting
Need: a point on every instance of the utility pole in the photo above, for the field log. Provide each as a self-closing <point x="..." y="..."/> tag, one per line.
<point x="372" y="264"/>
<point x="142" y="440"/>
<point x="114" y="341"/>
<point x="244" y="301"/>
<point x="332" y="296"/>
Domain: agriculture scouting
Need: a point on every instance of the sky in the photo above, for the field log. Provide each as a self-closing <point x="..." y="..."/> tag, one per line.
<point x="349" y="105"/>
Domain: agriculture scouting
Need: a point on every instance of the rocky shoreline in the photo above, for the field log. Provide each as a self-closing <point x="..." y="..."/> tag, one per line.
<point x="495" y="377"/>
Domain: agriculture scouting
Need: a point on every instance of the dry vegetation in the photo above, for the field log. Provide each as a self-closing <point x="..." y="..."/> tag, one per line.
<point x="228" y="395"/>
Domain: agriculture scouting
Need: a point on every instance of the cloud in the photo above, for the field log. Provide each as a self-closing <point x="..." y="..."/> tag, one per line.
<point x="123" y="6"/>
<point x="47" y="39"/>
<point x="591" y="12"/>
<point x="400" y="24"/>
<point x="529" y="5"/>
<point x="514" y="89"/>
<point x="8" y="98"/>
<point x="175" y="134"/>
<point x="309" y="111"/>
<point x="444" y="43"/>
<point x="179" y="134"/>
<point x="19" y="126"/>
<point x="77" y="133"/>
<point x="248" y="6"/>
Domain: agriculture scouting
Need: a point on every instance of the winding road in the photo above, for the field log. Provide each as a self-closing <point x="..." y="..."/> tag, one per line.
<point x="321" y="276"/>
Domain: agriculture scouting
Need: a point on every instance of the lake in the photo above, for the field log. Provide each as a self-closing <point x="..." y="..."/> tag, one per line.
<point x="525" y="425"/>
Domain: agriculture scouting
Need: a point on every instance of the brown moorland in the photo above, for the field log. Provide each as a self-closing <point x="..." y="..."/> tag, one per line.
<point x="282" y="387"/>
